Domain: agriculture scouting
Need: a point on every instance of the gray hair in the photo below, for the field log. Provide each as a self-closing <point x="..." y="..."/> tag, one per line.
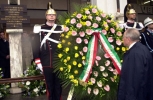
<point x="133" y="34"/>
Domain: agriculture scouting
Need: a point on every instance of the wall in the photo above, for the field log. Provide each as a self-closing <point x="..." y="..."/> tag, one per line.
<point x="36" y="9"/>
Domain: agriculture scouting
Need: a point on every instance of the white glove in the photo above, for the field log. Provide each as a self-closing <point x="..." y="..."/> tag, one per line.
<point x="39" y="65"/>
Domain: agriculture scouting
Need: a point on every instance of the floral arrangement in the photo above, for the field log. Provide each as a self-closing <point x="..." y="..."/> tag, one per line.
<point x="4" y="88"/>
<point x="33" y="88"/>
<point x="82" y="57"/>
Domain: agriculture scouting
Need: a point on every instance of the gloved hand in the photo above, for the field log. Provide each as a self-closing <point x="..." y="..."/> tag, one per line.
<point x="39" y="65"/>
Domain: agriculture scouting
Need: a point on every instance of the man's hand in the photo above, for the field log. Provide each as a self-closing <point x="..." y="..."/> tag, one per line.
<point x="39" y="65"/>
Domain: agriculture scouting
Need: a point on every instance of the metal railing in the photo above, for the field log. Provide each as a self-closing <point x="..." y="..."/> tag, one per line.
<point x="21" y="79"/>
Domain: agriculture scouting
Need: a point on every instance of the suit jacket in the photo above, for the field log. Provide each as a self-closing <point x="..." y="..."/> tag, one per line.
<point x="47" y="51"/>
<point x="4" y="51"/>
<point x="147" y="40"/>
<point x="136" y="79"/>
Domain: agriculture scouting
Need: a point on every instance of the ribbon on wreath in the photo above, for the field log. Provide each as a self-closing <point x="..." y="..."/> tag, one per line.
<point x="92" y="52"/>
<point x="91" y="56"/>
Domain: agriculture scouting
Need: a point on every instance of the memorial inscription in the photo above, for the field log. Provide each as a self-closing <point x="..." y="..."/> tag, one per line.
<point x="14" y="16"/>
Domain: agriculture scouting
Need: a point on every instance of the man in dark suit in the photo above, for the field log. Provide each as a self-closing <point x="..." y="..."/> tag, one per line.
<point x="4" y="56"/>
<point x="147" y="35"/>
<point x="136" y="78"/>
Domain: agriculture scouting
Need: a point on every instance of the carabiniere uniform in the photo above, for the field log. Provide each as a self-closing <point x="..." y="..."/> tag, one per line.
<point x="128" y="24"/>
<point x="47" y="41"/>
<point x="48" y="49"/>
<point x="46" y="54"/>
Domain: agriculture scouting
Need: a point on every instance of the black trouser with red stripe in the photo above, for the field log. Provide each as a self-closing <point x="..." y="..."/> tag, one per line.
<point x="53" y="86"/>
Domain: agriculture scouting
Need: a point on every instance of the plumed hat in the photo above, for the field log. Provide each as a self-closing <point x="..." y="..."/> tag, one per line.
<point x="130" y="10"/>
<point x="50" y="9"/>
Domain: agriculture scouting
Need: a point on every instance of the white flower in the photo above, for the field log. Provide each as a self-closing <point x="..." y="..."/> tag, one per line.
<point x="110" y="69"/>
<point x="115" y="72"/>
<point x="95" y="73"/>
<point x="93" y="80"/>
<point x="107" y="88"/>
<point x="36" y="90"/>
<point x="102" y="68"/>
<point x="44" y="91"/>
<point x="98" y="18"/>
<point x="112" y="79"/>
<point x="105" y="74"/>
<point x="107" y="63"/>
<point x="87" y="12"/>
<point x="28" y="83"/>
<point x="95" y="91"/>
<point x="99" y="84"/>
<point x="89" y="90"/>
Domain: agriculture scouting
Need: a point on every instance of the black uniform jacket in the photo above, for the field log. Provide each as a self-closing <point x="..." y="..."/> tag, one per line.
<point x="136" y="79"/>
<point x="132" y="25"/>
<point x="147" y="39"/>
<point x="47" y="51"/>
<point x="4" y="51"/>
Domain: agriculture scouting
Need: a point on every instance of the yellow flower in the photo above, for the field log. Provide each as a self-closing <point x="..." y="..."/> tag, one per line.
<point x="121" y="61"/>
<point x="61" y="68"/>
<point x="83" y="23"/>
<point x="75" y="81"/>
<point x="68" y="58"/>
<point x="69" y="43"/>
<point x="59" y="45"/>
<point x="69" y="33"/>
<point x="71" y="77"/>
<point x="60" y="55"/>
<point x="86" y="9"/>
<point x="67" y="21"/>
<point x="90" y="6"/>
<point x="76" y="47"/>
<point x="74" y="14"/>
<point x="127" y="48"/>
<point x="74" y="63"/>
<point x="79" y="65"/>
<point x="97" y="13"/>
<point x="90" y="83"/>
<point x="76" y="72"/>
<point x="83" y="57"/>
<point x="84" y="17"/>
<point x="76" y="55"/>
<point x="69" y="66"/>
<point x="62" y="35"/>
<point x="67" y="49"/>
<point x="123" y="49"/>
<point x="106" y="28"/>
<point x="117" y="48"/>
<point x="63" y="41"/>
<point x="67" y="36"/>
<point x="104" y="22"/>
<point x="65" y="60"/>
<point x="115" y="77"/>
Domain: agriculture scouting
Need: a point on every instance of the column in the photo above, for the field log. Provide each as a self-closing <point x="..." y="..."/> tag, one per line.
<point x="107" y="6"/>
<point x="15" y="57"/>
<point x="110" y="7"/>
<point x="15" y="51"/>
